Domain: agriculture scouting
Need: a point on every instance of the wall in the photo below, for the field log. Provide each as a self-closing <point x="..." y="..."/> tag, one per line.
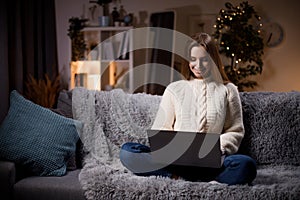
<point x="281" y="69"/>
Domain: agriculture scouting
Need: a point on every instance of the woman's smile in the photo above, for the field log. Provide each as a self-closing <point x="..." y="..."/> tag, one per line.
<point x="199" y="63"/>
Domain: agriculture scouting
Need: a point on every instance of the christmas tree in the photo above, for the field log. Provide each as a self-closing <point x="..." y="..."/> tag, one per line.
<point x="239" y="37"/>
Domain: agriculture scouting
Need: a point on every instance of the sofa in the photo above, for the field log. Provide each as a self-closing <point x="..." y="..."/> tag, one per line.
<point x="17" y="182"/>
<point x="272" y="138"/>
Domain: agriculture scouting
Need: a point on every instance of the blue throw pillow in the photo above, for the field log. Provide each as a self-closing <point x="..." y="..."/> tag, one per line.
<point x="37" y="138"/>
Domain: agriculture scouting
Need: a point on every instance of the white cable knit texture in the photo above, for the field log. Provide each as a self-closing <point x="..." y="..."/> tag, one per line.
<point x="203" y="106"/>
<point x="201" y="102"/>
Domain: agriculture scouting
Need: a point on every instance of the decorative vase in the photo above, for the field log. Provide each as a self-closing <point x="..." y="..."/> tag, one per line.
<point x="128" y="19"/>
<point x="103" y="20"/>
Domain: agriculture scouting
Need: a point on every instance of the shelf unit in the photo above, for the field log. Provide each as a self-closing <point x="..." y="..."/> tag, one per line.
<point x="107" y="59"/>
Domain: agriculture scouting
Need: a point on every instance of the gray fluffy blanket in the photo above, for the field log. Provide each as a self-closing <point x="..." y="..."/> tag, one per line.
<point x="112" y="118"/>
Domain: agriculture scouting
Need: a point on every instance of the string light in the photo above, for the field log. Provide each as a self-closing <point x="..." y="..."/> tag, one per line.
<point x="234" y="21"/>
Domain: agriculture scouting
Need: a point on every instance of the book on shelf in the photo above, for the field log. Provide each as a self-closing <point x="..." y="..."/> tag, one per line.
<point x="108" y="51"/>
<point x="81" y="79"/>
<point x="93" y="54"/>
<point x="124" y="47"/>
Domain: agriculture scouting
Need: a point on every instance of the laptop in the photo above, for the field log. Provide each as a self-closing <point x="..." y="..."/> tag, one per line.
<point x="185" y="148"/>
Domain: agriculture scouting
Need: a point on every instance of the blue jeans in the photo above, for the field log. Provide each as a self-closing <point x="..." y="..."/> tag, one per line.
<point x="236" y="169"/>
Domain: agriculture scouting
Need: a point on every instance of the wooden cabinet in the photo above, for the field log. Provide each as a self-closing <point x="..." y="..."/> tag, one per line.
<point x="108" y="59"/>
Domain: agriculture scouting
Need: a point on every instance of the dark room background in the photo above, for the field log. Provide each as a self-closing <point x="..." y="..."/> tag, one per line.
<point x="28" y="45"/>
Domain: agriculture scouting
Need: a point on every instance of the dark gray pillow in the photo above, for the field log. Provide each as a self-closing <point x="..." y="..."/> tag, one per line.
<point x="64" y="108"/>
<point x="272" y="125"/>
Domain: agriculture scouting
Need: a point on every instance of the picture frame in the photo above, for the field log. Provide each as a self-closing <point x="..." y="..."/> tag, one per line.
<point x="202" y="23"/>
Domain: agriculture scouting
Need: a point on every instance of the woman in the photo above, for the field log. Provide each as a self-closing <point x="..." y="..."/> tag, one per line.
<point x="205" y="102"/>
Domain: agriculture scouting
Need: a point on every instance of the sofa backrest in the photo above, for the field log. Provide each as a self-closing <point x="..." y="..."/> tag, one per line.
<point x="272" y="126"/>
<point x="271" y="120"/>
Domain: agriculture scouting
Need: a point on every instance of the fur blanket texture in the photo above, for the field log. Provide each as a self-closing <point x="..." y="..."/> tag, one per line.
<point x="272" y="124"/>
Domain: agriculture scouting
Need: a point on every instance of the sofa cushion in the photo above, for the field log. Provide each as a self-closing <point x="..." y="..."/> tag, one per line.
<point x="64" y="103"/>
<point x="37" y="138"/>
<point x="35" y="188"/>
<point x="272" y="127"/>
<point x="64" y="108"/>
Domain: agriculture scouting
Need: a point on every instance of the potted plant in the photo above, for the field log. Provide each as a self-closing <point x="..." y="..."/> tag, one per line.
<point x="77" y="39"/>
<point x="104" y="19"/>
<point x="43" y="91"/>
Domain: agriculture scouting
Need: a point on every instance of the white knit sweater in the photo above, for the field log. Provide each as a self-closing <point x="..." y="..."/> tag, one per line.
<point x="196" y="105"/>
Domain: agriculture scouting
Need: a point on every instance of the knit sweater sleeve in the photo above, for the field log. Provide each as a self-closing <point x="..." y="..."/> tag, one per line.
<point x="166" y="112"/>
<point x="233" y="131"/>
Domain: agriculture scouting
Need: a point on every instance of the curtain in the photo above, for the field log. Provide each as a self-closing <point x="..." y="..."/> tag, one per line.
<point x="28" y="45"/>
